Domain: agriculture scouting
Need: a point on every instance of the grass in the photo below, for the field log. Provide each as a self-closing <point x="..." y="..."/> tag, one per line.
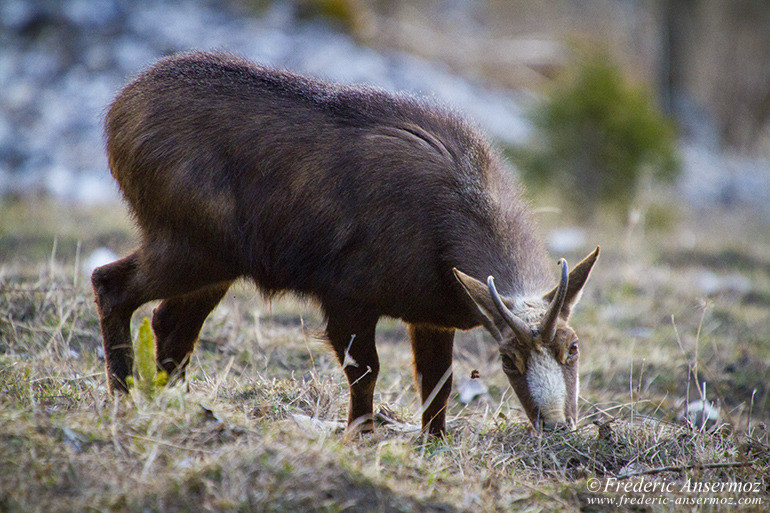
<point x="258" y="426"/>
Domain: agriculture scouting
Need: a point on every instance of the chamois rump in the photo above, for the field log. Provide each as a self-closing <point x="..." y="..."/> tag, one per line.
<point x="371" y="203"/>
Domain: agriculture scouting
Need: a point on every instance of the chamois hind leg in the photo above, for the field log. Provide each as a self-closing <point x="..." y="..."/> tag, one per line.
<point x="123" y="286"/>
<point x="432" y="349"/>
<point x="177" y="321"/>
<point x="352" y="337"/>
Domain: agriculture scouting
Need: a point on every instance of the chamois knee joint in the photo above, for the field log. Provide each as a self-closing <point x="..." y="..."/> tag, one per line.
<point x="100" y="282"/>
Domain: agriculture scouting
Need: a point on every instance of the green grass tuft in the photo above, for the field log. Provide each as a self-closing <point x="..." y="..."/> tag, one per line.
<point x="148" y="379"/>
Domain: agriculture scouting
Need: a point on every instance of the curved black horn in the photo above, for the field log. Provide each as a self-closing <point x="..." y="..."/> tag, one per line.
<point x="548" y="325"/>
<point x="520" y="328"/>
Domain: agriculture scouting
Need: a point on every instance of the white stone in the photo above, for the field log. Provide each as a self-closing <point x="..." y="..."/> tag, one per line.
<point x="99" y="257"/>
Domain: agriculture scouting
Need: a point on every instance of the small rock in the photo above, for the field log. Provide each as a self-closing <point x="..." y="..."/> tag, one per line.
<point x="312" y="424"/>
<point x="472" y="388"/>
<point x="701" y="414"/>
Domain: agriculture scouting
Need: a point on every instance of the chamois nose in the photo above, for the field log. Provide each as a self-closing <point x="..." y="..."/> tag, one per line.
<point x="560" y="427"/>
<point x="552" y="426"/>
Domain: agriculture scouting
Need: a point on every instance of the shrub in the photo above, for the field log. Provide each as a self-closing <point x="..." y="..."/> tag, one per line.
<point x="597" y="136"/>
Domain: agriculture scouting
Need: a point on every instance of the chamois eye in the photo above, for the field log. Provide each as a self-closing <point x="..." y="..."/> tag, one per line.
<point x="573" y="350"/>
<point x="508" y="363"/>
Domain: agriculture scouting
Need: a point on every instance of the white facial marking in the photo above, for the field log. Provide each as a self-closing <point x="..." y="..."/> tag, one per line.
<point x="546" y="386"/>
<point x="577" y="387"/>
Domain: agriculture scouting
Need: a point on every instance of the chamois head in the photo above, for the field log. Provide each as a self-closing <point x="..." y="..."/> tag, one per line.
<point x="539" y="350"/>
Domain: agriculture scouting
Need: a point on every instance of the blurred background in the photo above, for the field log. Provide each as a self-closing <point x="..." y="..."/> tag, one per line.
<point x="602" y="94"/>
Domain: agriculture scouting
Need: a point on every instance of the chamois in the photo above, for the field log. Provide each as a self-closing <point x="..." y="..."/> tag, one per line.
<point x="371" y="203"/>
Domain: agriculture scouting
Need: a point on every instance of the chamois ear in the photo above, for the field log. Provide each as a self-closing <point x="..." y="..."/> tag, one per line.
<point x="479" y="293"/>
<point x="577" y="280"/>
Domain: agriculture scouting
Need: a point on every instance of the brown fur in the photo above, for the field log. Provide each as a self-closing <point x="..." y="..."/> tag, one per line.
<point x="358" y="198"/>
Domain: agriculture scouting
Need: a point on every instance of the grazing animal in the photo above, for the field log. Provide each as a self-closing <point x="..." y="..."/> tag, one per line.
<point x="371" y="203"/>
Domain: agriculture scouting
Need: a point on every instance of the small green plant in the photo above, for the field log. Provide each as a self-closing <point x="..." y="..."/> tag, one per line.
<point x="148" y="380"/>
<point x="598" y="136"/>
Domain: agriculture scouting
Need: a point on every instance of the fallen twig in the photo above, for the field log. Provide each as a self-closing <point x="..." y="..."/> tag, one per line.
<point x="681" y="468"/>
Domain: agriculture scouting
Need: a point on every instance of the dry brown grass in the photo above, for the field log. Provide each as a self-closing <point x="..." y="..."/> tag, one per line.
<point x="258" y="429"/>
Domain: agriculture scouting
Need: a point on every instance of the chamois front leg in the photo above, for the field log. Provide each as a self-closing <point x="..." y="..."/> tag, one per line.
<point x="155" y="271"/>
<point x="177" y="322"/>
<point x="432" y="349"/>
<point x="352" y="337"/>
